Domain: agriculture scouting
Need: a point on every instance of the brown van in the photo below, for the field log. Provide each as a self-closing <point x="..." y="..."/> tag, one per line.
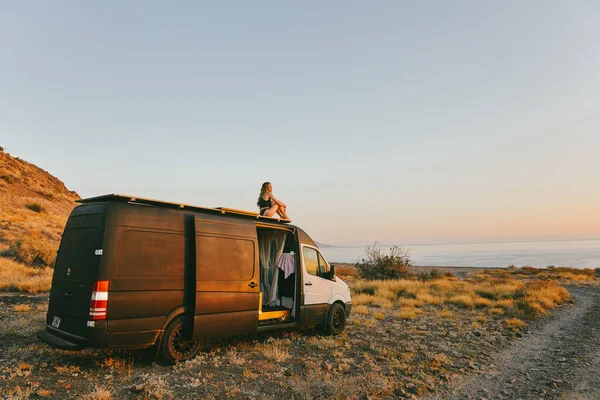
<point x="135" y="273"/>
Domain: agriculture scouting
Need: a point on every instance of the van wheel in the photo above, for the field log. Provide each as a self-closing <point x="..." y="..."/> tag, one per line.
<point x="177" y="344"/>
<point x="336" y="320"/>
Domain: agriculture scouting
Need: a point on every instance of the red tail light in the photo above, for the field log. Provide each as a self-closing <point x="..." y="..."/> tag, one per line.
<point x="99" y="302"/>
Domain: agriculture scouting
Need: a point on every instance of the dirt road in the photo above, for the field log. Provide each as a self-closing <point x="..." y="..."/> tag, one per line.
<point x="559" y="358"/>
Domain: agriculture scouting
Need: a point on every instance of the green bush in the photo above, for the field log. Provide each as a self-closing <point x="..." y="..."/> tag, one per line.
<point x="379" y="265"/>
<point x="32" y="250"/>
<point x="37" y="207"/>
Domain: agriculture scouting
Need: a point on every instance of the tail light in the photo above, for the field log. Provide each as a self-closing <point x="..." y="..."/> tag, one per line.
<point x="99" y="302"/>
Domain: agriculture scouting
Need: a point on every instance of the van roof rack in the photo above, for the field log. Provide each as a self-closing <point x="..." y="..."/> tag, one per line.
<point x="165" y="204"/>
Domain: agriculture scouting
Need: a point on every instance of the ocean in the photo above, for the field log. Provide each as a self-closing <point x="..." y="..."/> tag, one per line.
<point x="560" y="253"/>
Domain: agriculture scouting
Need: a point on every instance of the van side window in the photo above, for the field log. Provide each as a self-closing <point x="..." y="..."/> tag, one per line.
<point x="314" y="263"/>
<point x="323" y="267"/>
<point x="311" y="260"/>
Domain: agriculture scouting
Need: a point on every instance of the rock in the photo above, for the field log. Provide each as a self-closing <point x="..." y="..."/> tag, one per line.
<point x="44" y="392"/>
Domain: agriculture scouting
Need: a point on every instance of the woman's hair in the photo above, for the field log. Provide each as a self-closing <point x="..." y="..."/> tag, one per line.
<point x="263" y="190"/>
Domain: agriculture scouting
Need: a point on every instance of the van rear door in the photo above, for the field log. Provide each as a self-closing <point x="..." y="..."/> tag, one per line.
<point x="76" y="270"/>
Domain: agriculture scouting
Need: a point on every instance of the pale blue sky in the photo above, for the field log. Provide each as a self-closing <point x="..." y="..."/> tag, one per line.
<point x="392" y="121"/>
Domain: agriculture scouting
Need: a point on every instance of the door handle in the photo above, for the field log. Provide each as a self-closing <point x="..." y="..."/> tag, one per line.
<point x="68" y="294"/>
<point x="252" y="285"/>
<point x="308" y="284"/>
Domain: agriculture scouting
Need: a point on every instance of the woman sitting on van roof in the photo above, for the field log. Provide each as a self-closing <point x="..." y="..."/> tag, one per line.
<point x="268" y="204"/>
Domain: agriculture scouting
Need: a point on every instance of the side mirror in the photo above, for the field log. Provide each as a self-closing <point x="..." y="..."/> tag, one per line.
<point x="331" y="274"/>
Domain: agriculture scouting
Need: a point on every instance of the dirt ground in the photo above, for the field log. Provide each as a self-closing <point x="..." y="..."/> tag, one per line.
<point x="446" y="352"/>
<point x="558" y="358"/>
<point x="378" y="356"/>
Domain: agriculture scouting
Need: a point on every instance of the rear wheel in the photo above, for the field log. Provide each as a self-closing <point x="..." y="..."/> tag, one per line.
<point x="177" y="344"/>
<point x="336" y="320"/>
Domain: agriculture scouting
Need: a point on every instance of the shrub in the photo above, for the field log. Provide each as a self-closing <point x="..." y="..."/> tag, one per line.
<point x="37" y="207"/>
<point x="346" y="272"/>
<point x="32" y="250"/>
<point x="7" y="178"/>
<point x="379" y="265"/>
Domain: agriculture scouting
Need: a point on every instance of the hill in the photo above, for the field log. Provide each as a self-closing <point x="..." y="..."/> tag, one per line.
<point x="35" y="207"/>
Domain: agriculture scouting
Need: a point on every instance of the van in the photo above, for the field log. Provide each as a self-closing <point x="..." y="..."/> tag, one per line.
<point x="136" y="273"/>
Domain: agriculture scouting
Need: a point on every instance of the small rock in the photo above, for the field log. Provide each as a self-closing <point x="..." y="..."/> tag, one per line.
<point x="562" y="359"/>
<point x="44" y="392"/>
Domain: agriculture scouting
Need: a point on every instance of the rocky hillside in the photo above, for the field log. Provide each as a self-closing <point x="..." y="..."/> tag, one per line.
<point x="34" y="207"/>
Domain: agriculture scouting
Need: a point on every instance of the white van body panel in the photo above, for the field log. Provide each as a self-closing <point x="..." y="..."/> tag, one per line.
<point x="340" y="292"/>
<point x="317" y="290"/>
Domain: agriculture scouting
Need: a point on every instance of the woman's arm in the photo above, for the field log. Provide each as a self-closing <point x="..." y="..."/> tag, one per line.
<point x="279" y="203"/>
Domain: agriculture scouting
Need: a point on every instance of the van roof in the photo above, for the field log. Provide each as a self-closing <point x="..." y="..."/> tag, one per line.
<point x="121" y="198"/>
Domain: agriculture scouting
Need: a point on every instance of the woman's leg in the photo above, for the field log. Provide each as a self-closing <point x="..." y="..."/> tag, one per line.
<point x="271" y="211"/>
<point x="282" y="211"/>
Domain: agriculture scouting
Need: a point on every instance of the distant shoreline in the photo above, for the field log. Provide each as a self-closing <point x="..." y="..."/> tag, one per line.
<point x="330" y="246"/>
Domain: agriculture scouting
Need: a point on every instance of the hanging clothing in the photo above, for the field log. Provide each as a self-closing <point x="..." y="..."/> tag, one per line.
<point x="270" y="246"/>
<point x="286" y="264"/>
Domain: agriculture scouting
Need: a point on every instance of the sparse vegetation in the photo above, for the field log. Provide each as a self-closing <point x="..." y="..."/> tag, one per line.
<point x="37" y="207"/>
<point x="380" y="265"/>
<point x="21" y="307"/>
<point x="99" y="393"/>
<point x="17" y="277"/>
<point x="515" y="298"/>
<point x="560" y="274"/>
<point x="32" y="250"/>
<point x="514" y="323"/>
<point x="8" y="179"/>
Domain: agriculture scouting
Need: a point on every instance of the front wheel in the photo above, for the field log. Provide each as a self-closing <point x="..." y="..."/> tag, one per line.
<point x="177" y="344"/>
<point x="336" y="320"/>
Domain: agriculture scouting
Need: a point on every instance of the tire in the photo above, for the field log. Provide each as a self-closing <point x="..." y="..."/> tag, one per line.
<point x="177" y="344"/>
<point x="336" y="320"/>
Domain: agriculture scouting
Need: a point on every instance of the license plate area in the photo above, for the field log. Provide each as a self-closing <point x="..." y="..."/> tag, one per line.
<point x="56" y="322"/>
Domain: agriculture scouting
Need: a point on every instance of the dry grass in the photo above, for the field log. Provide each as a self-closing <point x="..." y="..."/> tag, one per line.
<point x="499" y="295"/>
<point x="21" y="308"/>
<point x="32" y="249"/>
<point x="407" y="313"/>
<point x="274" y="350"/>
<point x="99" y="393"/>
<point x="446" y="314"/>
<point x="561" y="274"/>
<point x="360" y="310"/>
<point x="17" y="277"/>
<point x="514" y="323"/>
<point x="379" y="316"/>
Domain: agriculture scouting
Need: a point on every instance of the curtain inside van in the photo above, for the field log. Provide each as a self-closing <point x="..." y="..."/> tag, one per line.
<point x="270" y="245"/>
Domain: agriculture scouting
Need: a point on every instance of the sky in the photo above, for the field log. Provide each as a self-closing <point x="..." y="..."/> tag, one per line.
<point x="391" y="121"/>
